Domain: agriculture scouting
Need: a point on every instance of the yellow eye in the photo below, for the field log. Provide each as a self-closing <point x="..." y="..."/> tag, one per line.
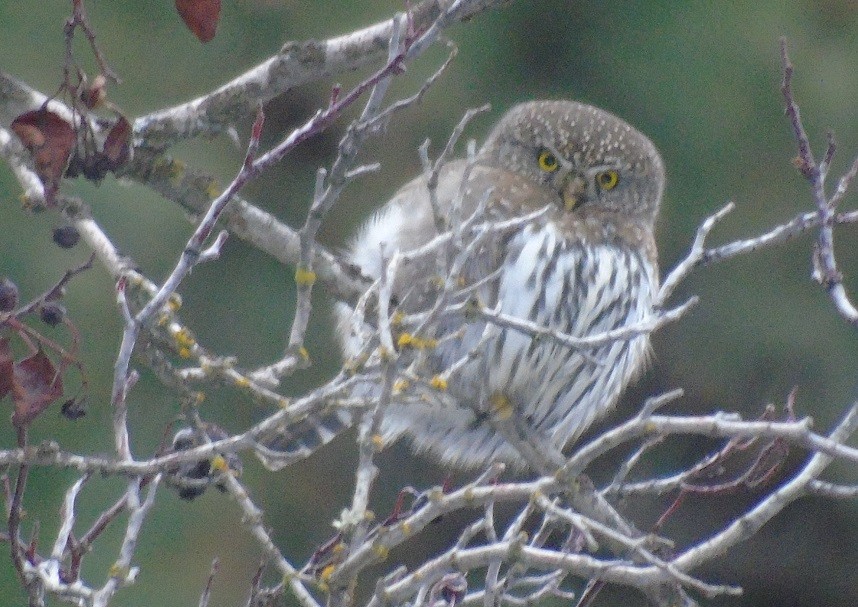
<point x="607" y="180"/>
<point x="548" y="162"/>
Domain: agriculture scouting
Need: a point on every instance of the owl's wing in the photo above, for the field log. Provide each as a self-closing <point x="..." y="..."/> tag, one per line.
<point x="406" y="221"/>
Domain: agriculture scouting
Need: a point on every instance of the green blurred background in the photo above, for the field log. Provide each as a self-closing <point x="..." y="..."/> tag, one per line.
<point x="700" y="78"/>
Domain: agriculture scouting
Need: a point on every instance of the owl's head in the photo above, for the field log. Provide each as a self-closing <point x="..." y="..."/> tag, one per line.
<point x="587" y="156"/>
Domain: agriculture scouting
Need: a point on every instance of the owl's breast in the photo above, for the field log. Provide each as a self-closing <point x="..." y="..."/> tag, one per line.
<point x="577" y="288"/>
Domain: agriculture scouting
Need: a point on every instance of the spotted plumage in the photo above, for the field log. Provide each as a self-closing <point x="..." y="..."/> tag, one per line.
<point x="584" y="266"/>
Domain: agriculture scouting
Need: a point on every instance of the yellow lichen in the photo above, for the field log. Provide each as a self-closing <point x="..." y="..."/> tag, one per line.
<point x="304" y="277"/>
<point x="219" y="464"/>
<point x="184" y="338"/>
<point x="501" y="406"/>
<point x="438" y="382"/>
<point x="326" y="573"/>
<point x="174" y="302"/>
<point x="118" y="571"/>
<point x="409" y="340"/>
<point x="213" y="189"/>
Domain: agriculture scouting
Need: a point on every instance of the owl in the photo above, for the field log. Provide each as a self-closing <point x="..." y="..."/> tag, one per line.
<point x="582" y="261"/>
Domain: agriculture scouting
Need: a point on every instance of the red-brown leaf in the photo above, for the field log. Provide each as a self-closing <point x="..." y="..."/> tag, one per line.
<point x="6" y="366"/>
<point x="50" y="140"/>
<point x="201" y="17"/>
<point x="35" y="385"/>
<point x="117" y="145"/>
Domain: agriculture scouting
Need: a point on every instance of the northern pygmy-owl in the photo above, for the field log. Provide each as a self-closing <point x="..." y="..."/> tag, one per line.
<point x="585" y="266"/>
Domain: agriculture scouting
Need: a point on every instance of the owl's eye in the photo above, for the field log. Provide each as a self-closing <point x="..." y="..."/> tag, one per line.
<point x="547" y="161"/>
<point x="607" y="180"/>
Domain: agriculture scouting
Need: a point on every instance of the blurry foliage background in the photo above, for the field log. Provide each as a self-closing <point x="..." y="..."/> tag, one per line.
<point x="701" y="78"/>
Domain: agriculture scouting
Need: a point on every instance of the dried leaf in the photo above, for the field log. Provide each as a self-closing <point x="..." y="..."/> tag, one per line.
<point x="94" y="95"/>
<point x="50" y="140"/>
<point x="117" y="145"/>
<point x="201" y="17"/>
<point x="35" y="385"/>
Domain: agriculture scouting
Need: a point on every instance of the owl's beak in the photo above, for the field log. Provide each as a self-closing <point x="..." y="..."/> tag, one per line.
<point x="573" y="191"/>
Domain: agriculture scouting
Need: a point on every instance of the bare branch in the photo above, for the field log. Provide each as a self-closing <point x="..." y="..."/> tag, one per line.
<point x="824" y="262"/>
<point x="745" y="526"/>
<point x="296" y="64"/>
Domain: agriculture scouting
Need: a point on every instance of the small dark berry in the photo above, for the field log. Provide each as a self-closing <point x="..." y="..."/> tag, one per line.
<point x="52" y="313"/>
<point x="96" y="167"/>
<point x="75" y="167"/>
<point x="73" y="409"/>
<point x="66" y="236"/>
<point x="8" y="295"/>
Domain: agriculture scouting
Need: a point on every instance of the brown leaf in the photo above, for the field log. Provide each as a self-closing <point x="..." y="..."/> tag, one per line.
<point x="117" y="145"/>
<point x="50" y="140"/>
<point x="36" y="384"/>
<point x="201" y="17"/>
<point x="6" y="365"/>
<point x="94" y="95"/>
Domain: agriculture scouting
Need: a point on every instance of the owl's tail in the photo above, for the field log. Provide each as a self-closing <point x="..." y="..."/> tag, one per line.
<point x="300" y="440"/>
